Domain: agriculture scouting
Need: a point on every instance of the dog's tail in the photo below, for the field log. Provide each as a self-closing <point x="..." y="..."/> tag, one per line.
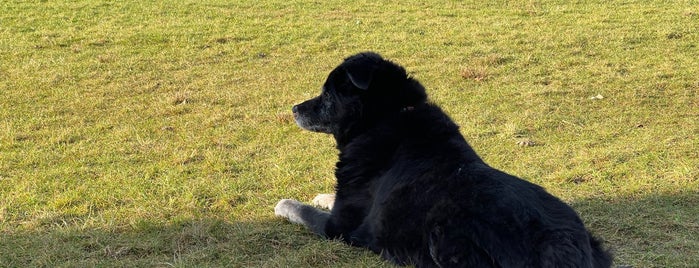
<point x="601" y="257"/>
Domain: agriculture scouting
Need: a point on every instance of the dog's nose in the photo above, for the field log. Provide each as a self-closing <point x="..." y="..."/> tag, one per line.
<point x="295" y="109"/>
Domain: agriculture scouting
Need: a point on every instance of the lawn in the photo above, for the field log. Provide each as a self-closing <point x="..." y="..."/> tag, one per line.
<point x="159" y="134"/>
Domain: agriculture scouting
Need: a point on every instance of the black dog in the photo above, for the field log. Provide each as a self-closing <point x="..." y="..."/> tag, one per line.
<point x="411" y="188"/>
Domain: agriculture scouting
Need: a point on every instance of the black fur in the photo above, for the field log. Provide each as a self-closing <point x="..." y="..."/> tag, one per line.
<point x="410" y="188"/>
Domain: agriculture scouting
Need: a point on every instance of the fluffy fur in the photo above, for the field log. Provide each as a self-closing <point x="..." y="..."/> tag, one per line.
<point x="410" y="187"/>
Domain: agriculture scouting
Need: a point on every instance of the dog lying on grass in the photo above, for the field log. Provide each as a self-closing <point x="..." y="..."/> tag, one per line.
<point x="409" y="186"/>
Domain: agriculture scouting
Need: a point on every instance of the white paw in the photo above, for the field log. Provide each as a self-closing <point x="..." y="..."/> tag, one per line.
<point x="285" y="207"/>
<point x="324" y="201"/>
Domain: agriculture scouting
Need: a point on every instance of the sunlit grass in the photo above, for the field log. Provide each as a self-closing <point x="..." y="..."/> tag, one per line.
<point x="159" y="134"/>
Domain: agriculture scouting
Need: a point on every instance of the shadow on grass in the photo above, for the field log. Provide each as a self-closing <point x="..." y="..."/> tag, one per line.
<point x="660" y="230"/>
<point x="651" y="231"/>
<point x="188" y="243"/>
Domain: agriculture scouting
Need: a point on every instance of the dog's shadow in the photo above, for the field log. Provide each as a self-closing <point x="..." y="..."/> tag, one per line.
<point x="187" y="243"/>
<point x="649" y="231"/>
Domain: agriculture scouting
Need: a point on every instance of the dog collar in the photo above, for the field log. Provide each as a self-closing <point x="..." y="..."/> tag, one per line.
<point x="407" y="108"/>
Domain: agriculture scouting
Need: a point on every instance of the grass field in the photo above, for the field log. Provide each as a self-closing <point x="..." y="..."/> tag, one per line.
<point x="159" y="134"/>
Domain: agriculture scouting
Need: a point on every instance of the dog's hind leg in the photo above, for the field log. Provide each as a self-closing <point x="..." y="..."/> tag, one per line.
<point x="299" y="213"/>
<point x="448" y="250"/>
<point x="563" y="249"/>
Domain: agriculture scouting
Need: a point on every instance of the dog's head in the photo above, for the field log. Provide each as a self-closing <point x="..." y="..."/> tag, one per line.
<point x="364" y="88"/>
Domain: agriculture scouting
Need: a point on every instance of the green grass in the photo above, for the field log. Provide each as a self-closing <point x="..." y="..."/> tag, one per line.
<point x="159" y="134"/>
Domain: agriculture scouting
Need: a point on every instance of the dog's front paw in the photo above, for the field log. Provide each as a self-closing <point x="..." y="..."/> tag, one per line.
<point x="286" y="207"/>
<point x="324" y="201"/>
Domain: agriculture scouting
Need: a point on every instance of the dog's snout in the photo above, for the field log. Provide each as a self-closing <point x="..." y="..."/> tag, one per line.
<point x="295" y="109"/>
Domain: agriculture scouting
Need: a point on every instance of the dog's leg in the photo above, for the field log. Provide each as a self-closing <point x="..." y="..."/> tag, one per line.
<point x="325" y="201"/>
<point x="453" y="247"/>
<point x="300" y="213"/>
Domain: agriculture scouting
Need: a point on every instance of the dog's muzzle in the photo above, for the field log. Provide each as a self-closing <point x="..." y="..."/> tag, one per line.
<point x="295" y="110"/>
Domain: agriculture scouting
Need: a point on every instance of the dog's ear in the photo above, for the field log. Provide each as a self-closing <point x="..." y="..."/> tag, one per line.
<point x="360" y="68"/>
<point x="360" y="77"/>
